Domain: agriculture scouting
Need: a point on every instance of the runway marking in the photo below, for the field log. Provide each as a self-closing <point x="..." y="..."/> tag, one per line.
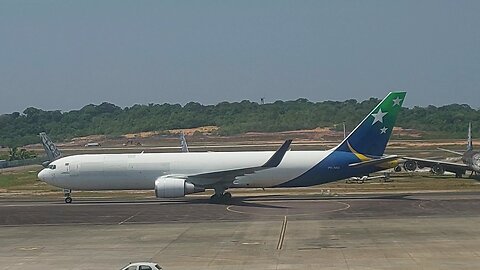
<point x="347" y="205"/>
<point x="127" y="219"/>
<point x="251" y="243"/>
<point x="29" y="248"/>
<point x="282" y="233"/>
<point x="421" y="205"/>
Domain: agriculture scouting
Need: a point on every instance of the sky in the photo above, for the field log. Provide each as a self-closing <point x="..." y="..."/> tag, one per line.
<point x="62" y="55"/>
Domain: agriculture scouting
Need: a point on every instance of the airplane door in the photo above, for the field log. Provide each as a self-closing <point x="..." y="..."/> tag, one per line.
<point x="72" y="169"/>
<point x="67" y="168"/>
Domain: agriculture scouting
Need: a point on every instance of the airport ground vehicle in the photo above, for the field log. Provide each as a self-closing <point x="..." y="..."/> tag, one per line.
<point x="142" y="266"/>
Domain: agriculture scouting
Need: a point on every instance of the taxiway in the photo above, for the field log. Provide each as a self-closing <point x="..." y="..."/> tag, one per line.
<point x="421" y="231"/>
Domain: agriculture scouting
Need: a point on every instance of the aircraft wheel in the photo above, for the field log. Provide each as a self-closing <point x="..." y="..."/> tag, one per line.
<point x="438" y="169"/>
<point x="68" y="200"/>
<point x="410" y="165"/>
<point x="215" y="198"/>
<point x="227" y="195"/>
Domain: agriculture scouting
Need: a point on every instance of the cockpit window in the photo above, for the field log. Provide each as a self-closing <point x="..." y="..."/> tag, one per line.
<point x="53" y="167"/>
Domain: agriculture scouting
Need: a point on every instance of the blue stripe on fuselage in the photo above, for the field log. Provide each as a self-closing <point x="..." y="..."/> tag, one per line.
<point x="334" y="167"/>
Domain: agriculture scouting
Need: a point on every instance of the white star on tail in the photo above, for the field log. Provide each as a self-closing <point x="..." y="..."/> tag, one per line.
<point x="383" y="130"/>
<point x="378" y="116"/>
<point x="396" y="101"/>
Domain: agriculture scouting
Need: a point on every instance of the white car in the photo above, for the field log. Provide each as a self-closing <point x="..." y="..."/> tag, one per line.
<point x="142" y="266"/>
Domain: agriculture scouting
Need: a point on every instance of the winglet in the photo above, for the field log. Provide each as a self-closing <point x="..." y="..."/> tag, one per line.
<point x="277" y="157"/>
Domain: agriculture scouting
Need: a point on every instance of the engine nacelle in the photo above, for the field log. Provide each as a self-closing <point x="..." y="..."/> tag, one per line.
<point x="169" y="187"/>
<point x="476" y="162"/>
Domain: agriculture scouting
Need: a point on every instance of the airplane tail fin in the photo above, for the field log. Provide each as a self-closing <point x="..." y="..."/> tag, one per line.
<point x="50" y="148"/>
<point x="469" y="141"/>
<point x="371" y="136"/>
<point x="183" y="142"/>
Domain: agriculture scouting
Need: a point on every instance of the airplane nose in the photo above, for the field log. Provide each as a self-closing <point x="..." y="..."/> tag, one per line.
<point x="45" y="175"/>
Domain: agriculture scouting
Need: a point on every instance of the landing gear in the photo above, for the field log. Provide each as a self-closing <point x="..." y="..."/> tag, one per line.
<point x="66" y="193"/>
<point x="220" y="196"/>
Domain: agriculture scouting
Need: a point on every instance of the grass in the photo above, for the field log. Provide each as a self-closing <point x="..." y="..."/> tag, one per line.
<point x="15" y="179"/>
<point x="23" y="182"/>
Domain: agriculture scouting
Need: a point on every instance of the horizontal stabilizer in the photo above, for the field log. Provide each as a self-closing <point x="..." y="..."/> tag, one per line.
<point x="375" y="161"/>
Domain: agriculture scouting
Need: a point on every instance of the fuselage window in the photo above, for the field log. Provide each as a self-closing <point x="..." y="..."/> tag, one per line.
<point x="53" y="167"/>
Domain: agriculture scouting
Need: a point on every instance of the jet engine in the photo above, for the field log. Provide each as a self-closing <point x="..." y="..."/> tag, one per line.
<point x="476" y="162"/>
<point x="410" y="165"/>
<point x="169" y="187"/>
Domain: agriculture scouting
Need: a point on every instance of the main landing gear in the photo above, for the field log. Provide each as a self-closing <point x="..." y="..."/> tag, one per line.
<point x="66" y="193"/>
<point x="220" y="196"/>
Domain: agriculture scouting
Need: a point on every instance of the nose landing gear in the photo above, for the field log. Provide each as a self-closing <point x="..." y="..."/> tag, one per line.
<point x="66" y="193"/>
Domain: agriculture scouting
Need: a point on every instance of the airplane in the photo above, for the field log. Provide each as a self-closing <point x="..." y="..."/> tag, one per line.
<point x="183" y="143"/>
<point x="173" y="175"/>
<point x="470" y="159"/>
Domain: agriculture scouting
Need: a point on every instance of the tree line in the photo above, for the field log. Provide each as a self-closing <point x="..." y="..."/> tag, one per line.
<point x="232" y="118"/>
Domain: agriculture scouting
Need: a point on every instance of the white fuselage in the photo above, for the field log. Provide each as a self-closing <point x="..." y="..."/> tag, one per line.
<point x="139" y="171"/>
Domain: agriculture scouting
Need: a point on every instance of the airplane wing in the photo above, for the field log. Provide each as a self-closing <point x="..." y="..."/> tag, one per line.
<point x="375" y="161"/>
<point x="226" y="177"/>
<point x="450" y="151"/>
<point x="448" y="166"/>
